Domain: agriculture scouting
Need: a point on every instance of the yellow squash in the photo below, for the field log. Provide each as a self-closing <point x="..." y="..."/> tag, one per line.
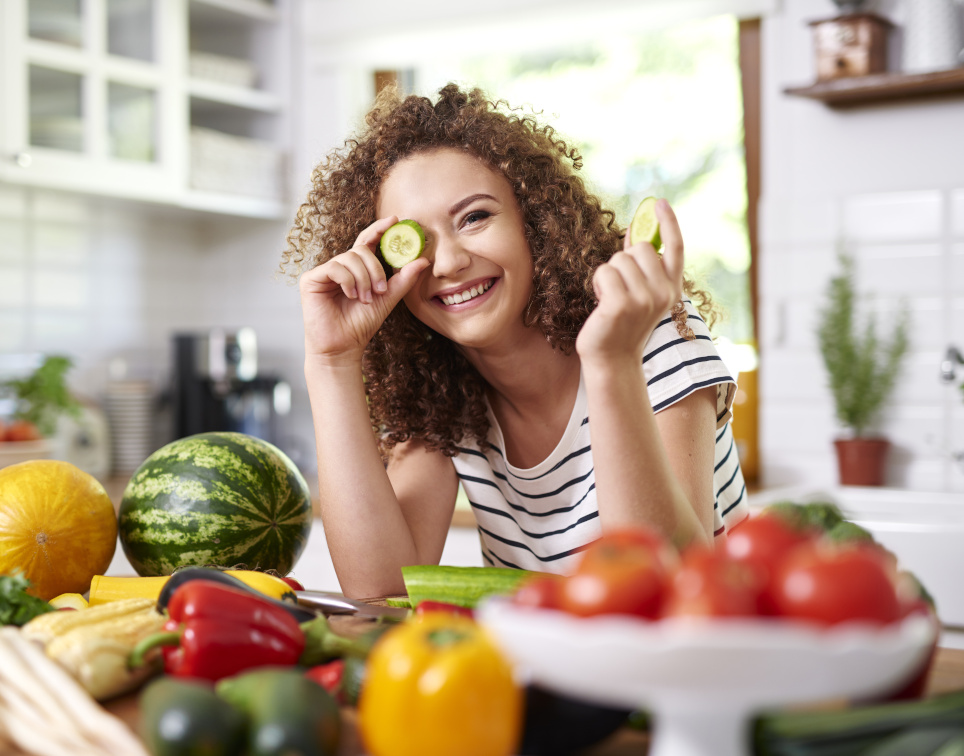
<point x="57" y="524"/>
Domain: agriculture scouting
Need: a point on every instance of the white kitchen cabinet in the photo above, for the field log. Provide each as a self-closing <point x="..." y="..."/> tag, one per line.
<point x="175" y="102"/>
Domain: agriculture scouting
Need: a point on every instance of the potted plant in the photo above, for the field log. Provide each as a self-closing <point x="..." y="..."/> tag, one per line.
<point x="862" y="371"/>
<point x="38" y="400"/>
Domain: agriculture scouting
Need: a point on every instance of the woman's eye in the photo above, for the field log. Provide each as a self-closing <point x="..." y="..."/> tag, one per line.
<point x="475" y="216"/>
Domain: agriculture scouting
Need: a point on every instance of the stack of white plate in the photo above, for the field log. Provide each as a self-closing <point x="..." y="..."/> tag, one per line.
<point x="130" y="412"/>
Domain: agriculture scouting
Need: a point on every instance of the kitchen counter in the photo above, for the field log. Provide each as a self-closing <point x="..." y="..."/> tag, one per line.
<point x="947" y="675"/>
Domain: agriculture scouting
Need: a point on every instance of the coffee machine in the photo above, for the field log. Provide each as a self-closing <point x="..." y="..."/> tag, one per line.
<point x="217" y="386"/>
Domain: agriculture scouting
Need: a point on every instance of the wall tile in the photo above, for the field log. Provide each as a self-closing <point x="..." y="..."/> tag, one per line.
<point x="916" y="473"/>
<point x="13" y="241"/>
<point x="814" y="470"/>
<point x="893" y="216"/>
<point x="796" y="426"/>
<point x="957" y="213"/>
<point x="114" y="291"/>
<point x="13" y="331"/>
<point x="13" y="202"/>
<point x="810" y="269"/>
<point x="955" y="277"/>
<point x="62" y="333"/>
<point x="13" y="286"/>
<point x="956" y="324"/>
<point x="956" y="446"/>
<point x="61" y="290"/>
<point x="59" y="207"/>
<point x="917" y="429"/>
<point x="62" y="244"/>
<point x="794" y="375"/>
<point x="920" y="381"/>
<point x="799" y="220"/>
<point x="899" y="269"/>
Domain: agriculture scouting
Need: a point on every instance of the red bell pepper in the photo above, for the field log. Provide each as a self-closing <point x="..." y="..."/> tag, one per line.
<point x="216" y="631"/>
<point x="328" y="675"/>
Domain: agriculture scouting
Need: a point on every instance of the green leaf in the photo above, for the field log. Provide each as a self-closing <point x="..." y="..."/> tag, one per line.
<point x="43" y="395"/>
<point x="17" y="607"/>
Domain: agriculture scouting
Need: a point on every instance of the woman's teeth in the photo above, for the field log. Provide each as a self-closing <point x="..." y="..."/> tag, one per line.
<point x="465" y="296"/>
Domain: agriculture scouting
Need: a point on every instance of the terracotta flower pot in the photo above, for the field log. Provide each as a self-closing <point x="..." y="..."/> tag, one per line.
<point x="861" y="461"/>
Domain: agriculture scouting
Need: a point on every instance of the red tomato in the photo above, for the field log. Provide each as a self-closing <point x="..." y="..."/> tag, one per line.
<point x="764" y="541"/>
<point x="294" y="583"/>
<point x="709" y="583"/>
<point x="21" y="430"/>
<point x="539" y="592"/>
<point x="425" y="607"/>
<point x="623" y="572"/>
<point x="830" y="584"/>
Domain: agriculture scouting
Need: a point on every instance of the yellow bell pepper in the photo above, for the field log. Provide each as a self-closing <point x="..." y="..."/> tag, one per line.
<point x="437" y="685"/>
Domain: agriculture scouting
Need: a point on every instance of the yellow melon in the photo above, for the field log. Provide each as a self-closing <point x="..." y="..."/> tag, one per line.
<point x="57" y="525"/>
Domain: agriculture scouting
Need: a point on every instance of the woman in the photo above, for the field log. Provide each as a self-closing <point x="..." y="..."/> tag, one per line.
<point x="532" y="353"/>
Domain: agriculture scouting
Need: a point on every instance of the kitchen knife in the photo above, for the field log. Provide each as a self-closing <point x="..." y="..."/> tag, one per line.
<point x="336" y="603"/>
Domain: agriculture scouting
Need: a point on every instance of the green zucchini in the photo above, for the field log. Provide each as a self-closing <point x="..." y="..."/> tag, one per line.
<point x="463" y="586"/>
<point x="853" y="731"/>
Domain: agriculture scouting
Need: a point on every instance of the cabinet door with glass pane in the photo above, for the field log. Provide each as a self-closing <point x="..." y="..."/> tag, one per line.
<point x="88" y="100"/>
<point x="177" y="102"/>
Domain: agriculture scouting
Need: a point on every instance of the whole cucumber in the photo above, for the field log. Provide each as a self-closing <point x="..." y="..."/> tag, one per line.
<point x="288" y="714"/>
<point x="186" y="718"/>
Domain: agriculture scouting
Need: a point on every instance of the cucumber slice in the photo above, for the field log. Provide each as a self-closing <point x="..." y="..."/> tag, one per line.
<point x="402" y="243"/>
<point x="644" y="226"/>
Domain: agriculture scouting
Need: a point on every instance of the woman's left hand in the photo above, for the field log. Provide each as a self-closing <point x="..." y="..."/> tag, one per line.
<point x="635" y="289"/>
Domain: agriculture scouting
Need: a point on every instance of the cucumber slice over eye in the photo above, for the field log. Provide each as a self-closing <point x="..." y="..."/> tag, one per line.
<point x="644" y="226"/>
<point x="402" y="243"/>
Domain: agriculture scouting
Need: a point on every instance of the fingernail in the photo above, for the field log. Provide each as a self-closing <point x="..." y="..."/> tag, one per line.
<point x="381" y="287"/>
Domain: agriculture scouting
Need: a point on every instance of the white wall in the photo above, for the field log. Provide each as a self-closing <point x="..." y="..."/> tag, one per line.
<point x="887" y="182"/>
<point x="99" y="280"/>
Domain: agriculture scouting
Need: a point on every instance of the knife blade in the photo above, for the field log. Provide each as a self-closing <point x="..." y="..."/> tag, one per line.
<point x="337" y="603"/>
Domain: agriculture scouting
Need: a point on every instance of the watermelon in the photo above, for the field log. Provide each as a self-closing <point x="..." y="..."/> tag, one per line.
<point x="222" y="499"/>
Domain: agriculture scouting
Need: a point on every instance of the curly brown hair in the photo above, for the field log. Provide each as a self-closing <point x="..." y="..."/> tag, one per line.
<point x="419" y="384"/>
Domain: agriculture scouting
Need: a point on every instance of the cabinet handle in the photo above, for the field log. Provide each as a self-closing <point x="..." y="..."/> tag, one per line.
<point x="23" y="159"/>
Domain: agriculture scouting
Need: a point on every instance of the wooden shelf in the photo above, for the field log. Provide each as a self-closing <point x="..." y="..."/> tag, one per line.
<point x="864" y="90"/>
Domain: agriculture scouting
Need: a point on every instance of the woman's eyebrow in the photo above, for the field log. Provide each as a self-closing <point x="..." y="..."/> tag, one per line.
<point x="463" y="203"/>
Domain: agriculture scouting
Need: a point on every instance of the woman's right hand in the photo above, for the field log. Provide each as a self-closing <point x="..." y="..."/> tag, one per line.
<point x="345" y="300"/>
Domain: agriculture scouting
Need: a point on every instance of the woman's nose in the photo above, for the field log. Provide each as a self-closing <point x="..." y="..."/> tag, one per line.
<point x="448" y="257"/>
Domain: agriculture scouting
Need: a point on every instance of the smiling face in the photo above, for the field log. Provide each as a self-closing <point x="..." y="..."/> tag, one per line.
<point x="480" y="277"/>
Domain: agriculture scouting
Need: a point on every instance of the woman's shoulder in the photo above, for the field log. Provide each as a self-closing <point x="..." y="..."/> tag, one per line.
<point x="667" y="343"/>
<point x="677" y="365"/>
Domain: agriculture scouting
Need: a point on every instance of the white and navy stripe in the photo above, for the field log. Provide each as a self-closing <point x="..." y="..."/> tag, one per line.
<point x="540" y="518"/>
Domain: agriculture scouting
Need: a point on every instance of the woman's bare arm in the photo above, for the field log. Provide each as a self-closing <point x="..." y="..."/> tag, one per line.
<point x="649" y="469"/>
<point x="376" y="520"/>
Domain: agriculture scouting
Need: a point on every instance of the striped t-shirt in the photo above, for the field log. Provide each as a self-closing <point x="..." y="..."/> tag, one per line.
<point x="540" y="518"/>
